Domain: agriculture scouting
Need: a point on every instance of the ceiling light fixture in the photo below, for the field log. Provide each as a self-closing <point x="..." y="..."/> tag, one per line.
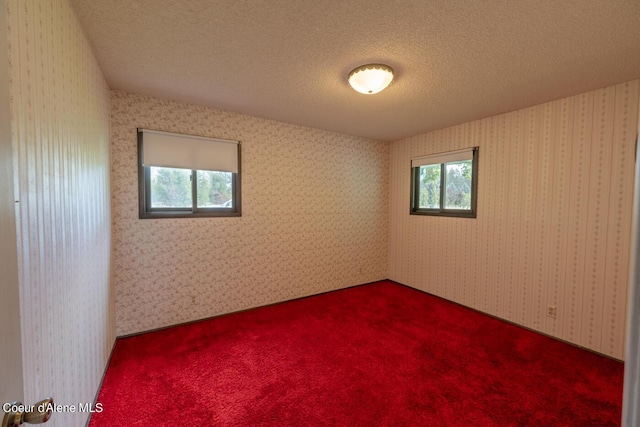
<point x="371" y="78"/>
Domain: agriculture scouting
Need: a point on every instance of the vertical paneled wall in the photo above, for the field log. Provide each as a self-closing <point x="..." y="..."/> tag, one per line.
<point x="554" y="218"/>
<point x="10" y="337"/>
<point x="60" y="127"/>
<point x="314" y="218"/>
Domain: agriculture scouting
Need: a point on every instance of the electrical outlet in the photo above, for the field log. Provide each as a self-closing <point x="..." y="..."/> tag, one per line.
<point x="552" y="311"/>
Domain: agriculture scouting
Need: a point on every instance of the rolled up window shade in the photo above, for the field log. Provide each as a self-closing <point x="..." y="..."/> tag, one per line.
<point x="448" y="157"/>
<point x="173" y="150"/>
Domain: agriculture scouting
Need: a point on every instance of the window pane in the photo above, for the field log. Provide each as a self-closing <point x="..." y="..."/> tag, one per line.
<point x="429" y="187"/>
<point x="170" y="188"/>
<point x="215" y="189"/>
<point x="458" y="185"/>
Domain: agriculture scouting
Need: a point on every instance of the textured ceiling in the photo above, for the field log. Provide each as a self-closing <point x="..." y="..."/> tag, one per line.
<point x="456" y="60"/>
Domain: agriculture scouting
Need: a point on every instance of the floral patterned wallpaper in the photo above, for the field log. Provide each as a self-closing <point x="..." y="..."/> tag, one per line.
<point x="314" y="218"/>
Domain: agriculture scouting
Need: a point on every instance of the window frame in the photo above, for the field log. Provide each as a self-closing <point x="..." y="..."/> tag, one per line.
<point x="144" y="194"/>
<point x="458" y="213"/>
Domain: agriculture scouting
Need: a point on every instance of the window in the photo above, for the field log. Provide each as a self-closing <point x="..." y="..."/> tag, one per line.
<point x="445" y="184"/>
<point x="187" y="176"/>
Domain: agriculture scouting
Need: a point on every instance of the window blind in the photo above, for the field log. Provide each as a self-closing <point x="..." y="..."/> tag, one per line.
<point x="174" y="150"/>
<point x="448" y="157"/>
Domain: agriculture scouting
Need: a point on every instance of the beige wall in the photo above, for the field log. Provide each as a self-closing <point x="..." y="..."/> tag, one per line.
<point x="314" y="218"/>
<point x="60" y="127"/>
<point x="10" y="338"/>
<point x="554" y="218"/>
<point x="631" y="397"/>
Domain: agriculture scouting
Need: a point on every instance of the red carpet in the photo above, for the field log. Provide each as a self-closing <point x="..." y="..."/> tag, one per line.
<point x="375" y="355"/>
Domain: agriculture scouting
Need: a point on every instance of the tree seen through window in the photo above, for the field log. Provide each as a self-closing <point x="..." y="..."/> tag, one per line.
<point x="171" y="188"/>
<point x="457" y="182"/>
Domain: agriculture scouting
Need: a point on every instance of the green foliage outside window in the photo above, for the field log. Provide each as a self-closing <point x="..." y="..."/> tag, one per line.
<point x="457" y="182"/>
<point x="458" y="185"/>
<point x="171" y="188"/>
<point x="214" y="188"/>
<point x="430" y="186"/>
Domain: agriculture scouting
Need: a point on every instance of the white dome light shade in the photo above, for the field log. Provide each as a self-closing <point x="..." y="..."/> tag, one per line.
<point x="371" y="78"/>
